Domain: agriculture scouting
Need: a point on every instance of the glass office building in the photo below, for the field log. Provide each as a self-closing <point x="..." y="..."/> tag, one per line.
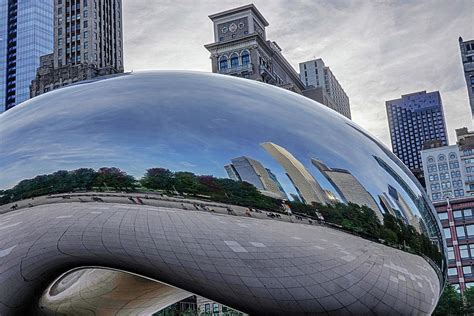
<point x="26" y="33"/>
<point x="414" y="119"/>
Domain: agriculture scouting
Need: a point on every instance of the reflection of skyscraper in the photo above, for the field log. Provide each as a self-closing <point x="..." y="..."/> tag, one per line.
<point x="404" y="208"/>
<point x="232" y="173"/>
<point x="252" y="171"/>
<point x="429" y="225"/>
<point x="306" y="186"/>
<point x="348" y="187"/>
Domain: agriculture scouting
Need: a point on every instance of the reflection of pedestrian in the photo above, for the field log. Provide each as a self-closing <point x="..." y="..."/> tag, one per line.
<point x="247" y="212"/>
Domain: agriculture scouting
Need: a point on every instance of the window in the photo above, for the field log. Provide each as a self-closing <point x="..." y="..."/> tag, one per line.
<point x="457" y="214"/>
<point x="467" y="270"/>
<point x="223" y="63"/>
<point x="86" y="12"/>
<point x="443" y="216"/>
<point x="86" y="34"/>
<point x="463" y="251"/>
<point x="460" y="232"/>
<point x="447" y="233"/>
<point x="207" y="307"/>
<point x="467" y="213"/>
<point x="470" y="230"/>
<point x="245" y="58"/>
<point x="451" y="253"/>
<point x="234" y="60"/>
<point x="60" y="10"/>
<point x="215" y="308"/>
<point x="452" y="272"/>
<point x="85" y="24"/>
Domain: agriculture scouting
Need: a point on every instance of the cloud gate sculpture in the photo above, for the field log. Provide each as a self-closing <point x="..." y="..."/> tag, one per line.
<point x="130" y="193"/>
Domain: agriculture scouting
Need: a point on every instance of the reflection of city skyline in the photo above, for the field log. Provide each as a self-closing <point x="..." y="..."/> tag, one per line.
<point x="306" y="185"/>
<point x="252" y="171"/>
<point x="348" y="187"/>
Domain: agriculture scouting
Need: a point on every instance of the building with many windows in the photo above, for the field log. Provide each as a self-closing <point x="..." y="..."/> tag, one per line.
<point x="457" y="218"/>
<point x="467" y="57"/>
<point x="241" y="49"/>
<point x="444" y="173"/>
<point x="87" y="44"/>
<point x="414" y="119"/>
<point x="449" y="170"/>
<point x="26" y="33"/>
<point x="322" y="86"/>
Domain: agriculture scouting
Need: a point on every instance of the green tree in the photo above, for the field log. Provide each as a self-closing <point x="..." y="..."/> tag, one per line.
<point x="450" y="303"/>
<point x="114" y="177"/>
<point x="158" y="178"/>
<point x="469" y="300"/>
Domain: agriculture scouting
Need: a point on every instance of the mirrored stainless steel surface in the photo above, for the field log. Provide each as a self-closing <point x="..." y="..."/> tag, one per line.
<point x="203" y="145"/>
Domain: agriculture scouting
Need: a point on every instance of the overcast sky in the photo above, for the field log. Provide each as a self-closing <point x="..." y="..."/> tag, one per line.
<point x="378" y="50"/>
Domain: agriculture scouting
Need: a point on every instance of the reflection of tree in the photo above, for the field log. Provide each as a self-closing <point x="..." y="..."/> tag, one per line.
<point x="217" y="189"/>
<point x="363" y="221"/>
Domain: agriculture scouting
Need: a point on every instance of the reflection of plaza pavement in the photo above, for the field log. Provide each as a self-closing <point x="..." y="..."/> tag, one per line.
<point x="256" y="266"/>
<point x="159" y="200"/>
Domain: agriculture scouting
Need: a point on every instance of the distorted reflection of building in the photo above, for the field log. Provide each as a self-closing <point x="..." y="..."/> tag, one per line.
<point x="252" y="171"/>
<point x="307" y="187"/>
<point x="429" y="224"/>
<point x="347" y="186"/>
<point x="404" y="209"/>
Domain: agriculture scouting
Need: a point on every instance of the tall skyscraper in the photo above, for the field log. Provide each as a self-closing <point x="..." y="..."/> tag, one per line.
<point x="87" y="44"/>
<point x="414" y="119"/>
<point x="26" y="33"/>
<point x="467" y="57"/>
<point x="307" y="187"/>
<point x="252" y="171"/>
<point x="322" y="86"/>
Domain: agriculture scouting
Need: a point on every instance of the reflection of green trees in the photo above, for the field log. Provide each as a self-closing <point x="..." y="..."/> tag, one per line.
<point x="453" y="303"/>
<point x="354" y="218"/>
<point x="217" y="189"/>
<point x="363" y="221"/>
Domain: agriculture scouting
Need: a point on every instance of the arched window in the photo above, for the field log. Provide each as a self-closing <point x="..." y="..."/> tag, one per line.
<point x="430" y="159"/>
<point x="441" y="158"/>
<point x="234" y="60"/>
<point x="452" y="156"/>
<point x="223" y="63"/>
<point x="245" y="57"/>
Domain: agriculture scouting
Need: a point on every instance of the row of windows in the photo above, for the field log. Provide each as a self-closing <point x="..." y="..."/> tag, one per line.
<point x="235" y="59"/>
<point x="462" y="231"/>
<point x="466" y="213"/>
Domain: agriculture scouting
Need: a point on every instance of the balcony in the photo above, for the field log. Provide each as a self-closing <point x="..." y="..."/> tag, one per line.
<point x="239" y="69"/>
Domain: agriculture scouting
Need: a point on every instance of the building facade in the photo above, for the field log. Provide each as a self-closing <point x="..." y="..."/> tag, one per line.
<point x="26" y="29"/>
<point x="241" y="49"/>
<point x="252" y="171"/>
<point x="467" y="57"/>
<point x="322" y="86"/>
<point x="449" y="170"/>
<point x="444" y="173"/>
<point x="413" y="120"/>
<point x="87" y="44"/>
<point x="457" y="218"/>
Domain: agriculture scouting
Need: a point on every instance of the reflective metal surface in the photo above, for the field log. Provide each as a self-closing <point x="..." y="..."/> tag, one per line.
<point x="217" y="142"/>
<point x="107" y="292"/>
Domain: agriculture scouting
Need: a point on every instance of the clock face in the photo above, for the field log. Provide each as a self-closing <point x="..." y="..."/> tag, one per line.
<point x="224" y="29"/>
<point x="232" y="27"/>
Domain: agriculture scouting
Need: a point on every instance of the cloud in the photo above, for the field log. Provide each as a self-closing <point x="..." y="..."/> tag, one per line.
<point x="378" y="50"/>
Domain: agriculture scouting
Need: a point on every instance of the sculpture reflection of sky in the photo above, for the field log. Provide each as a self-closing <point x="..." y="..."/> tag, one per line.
<point x="186" y="121"/>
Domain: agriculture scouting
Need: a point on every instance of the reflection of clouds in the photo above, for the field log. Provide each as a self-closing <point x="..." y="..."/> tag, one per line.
<point x="187" y="164"/>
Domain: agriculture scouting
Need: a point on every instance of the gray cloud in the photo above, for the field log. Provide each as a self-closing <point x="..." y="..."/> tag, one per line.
<point x="378" y="50"/>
